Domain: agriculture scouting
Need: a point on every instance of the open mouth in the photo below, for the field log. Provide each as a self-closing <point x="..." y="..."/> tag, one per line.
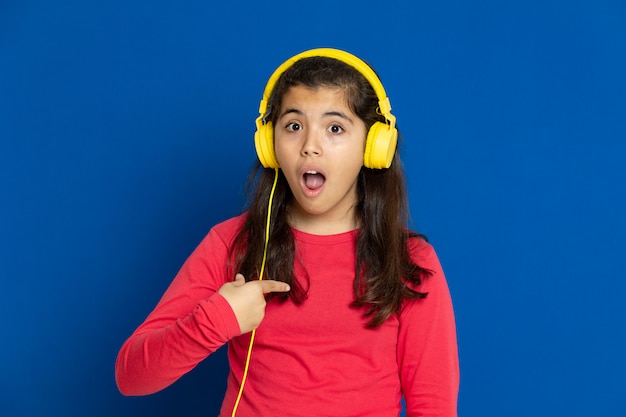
<point x="313" y="180"/>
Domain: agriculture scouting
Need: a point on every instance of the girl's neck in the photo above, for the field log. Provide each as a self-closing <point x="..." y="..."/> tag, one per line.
<point x="321" y="225"/>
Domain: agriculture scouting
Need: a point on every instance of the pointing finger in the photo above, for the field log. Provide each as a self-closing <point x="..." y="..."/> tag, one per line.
<point x="273" y="286"/>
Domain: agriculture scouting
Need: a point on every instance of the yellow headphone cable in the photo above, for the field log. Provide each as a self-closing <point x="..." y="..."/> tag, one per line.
<point x="267" y="237"/>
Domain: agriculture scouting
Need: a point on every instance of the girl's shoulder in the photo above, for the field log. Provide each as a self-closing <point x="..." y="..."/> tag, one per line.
<point x="234" y="223"/>
<point x="419" y="246"/>
<point x="423" y="253"/>
<point x="228" y="229"/>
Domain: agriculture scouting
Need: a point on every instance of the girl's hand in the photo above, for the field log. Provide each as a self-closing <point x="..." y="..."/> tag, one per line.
<point x="247" y="299"/>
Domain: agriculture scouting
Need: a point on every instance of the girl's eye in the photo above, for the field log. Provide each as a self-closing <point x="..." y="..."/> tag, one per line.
<point x="335" y="129"/>
<point x="293" y="127"/>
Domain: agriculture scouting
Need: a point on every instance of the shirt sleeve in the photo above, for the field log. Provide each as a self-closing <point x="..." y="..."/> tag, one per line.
<point x="427" y="344"/>
<point x="190" y="322"/>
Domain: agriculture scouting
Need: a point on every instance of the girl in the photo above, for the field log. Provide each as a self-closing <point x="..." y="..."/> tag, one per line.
<point x="355" y="313"/>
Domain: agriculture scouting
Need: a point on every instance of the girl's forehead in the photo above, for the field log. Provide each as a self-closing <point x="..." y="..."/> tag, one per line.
<point x="320" y="95"/>
<point x="302" y="92"/>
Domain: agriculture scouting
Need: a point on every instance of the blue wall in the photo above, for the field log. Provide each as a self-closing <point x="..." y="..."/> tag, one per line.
<point x="126" y="133"/>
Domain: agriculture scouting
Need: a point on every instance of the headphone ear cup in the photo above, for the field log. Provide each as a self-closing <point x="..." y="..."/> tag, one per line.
<point x="264" y="143"/>
<point x="380" y="146"/>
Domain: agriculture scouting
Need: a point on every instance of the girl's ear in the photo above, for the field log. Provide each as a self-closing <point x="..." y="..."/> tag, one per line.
<point x="264" y="144"/>
<point x="380" y="146"/>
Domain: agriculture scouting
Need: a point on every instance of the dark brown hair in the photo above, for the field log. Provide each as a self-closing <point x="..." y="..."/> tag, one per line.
<point x="385" y="275"/>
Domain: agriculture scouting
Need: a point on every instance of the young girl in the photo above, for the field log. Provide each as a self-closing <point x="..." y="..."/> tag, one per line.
<point x="329" y="305"/>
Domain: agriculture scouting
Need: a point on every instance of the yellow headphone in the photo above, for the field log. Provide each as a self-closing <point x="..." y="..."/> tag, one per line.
<point x="382" y="138"/>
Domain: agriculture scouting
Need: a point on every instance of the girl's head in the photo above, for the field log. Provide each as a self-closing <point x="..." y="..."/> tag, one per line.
<point x="350" y="88"/>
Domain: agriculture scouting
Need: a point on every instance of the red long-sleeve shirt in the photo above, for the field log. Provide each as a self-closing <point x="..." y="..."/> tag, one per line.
<point x="315" y="359"/>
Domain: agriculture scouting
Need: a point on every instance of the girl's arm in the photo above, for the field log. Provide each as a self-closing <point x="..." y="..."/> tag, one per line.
<point x="427" y="345"/>
<point x="190" y="322"/>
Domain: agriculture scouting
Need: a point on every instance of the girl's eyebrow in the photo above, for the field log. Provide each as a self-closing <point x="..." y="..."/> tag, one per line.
<point x="288" y="111"/>
<point x="338" y="114"/>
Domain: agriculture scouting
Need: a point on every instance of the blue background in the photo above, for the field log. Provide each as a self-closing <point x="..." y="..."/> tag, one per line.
<point x="126" y="133"/>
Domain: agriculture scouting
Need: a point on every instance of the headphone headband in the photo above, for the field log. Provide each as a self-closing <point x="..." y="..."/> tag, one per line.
<point x="382" y="137"/>
<point x="347" y="58"/>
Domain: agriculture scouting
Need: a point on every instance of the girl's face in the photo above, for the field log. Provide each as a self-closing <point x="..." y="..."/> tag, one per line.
<point x="319" y="145"/>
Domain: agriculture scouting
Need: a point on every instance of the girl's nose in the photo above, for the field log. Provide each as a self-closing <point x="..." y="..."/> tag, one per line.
<point x="311" y="145"/>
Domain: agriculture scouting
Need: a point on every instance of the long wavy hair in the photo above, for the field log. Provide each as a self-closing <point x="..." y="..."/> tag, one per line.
<point x="385" y="274"/>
